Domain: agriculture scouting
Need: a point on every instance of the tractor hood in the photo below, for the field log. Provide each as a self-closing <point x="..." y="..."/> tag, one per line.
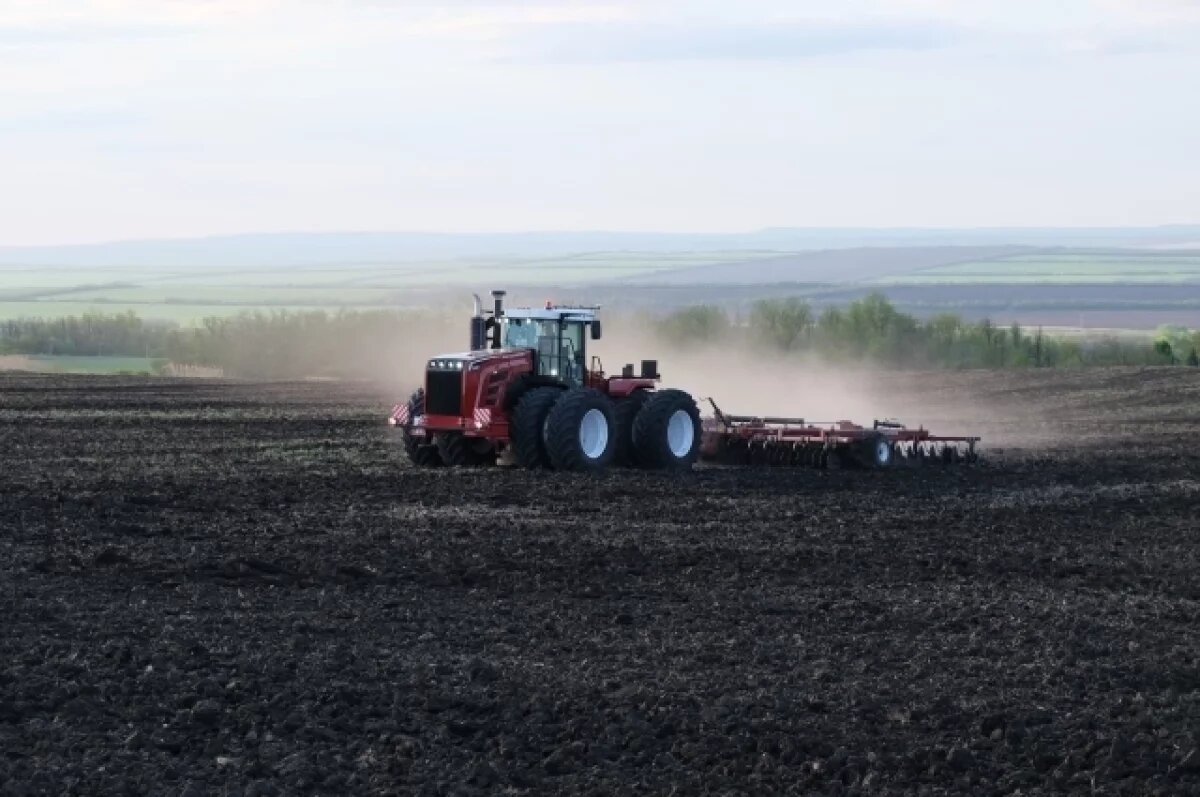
<point x="465" y="359"/>
<point x="481" y="354"/>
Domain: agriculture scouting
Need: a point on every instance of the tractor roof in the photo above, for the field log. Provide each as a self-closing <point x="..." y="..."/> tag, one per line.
<point x="552" y="313"/>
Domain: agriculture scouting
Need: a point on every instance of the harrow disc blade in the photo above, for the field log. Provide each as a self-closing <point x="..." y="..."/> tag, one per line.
<point x="758" y="455"/>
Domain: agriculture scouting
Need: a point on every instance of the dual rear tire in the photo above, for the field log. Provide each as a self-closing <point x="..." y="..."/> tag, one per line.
<point x="529" y="426"/>
<point x="564" y="429"/>
<point x="581" y="430"/>
<point x="666" y="431"/>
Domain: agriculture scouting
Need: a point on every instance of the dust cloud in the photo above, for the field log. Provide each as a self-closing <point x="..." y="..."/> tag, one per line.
<point x="746" y="380"/>
<point x="17" y="362"/>
<point x="398" y="365"/>
<point x="743" y="379"/>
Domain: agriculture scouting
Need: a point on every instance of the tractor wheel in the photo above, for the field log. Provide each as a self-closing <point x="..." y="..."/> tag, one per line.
<point x="465" y="452"/>
<point x="666" y="433"/>
<point x="420" y="453"/>
<point x="580" y="431"/>
<point x="528" y="426"/>
<point x="624" y="415"/>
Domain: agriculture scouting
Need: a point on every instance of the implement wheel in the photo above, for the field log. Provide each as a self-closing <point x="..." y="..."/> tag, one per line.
<point x="529" y="423"/>
<point x="666" y="433"/>
<point x="880" y="453"/>
<point x="581" y="433"/>
<point x="420" y="453"/>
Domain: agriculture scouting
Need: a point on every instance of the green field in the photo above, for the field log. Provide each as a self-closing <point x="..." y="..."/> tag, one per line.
<point x="79" y="365"/>
<point x="1105" y="269"/>
<point x="186" y="295"/>
<point x="185" y="314"/>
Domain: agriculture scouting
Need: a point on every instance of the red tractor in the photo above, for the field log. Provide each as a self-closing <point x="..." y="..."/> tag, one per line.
<point x="526" y="391"/>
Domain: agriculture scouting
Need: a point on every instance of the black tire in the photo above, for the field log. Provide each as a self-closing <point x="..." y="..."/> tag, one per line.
<point x="528" y="424"/>
<point x="655" y="443"/>
<point x="877" y="453"/>
<point x="581" y="433"/>
<point x="624" y="415"/>
<point x="459" y="451"/>
<point x="420" y="453"/>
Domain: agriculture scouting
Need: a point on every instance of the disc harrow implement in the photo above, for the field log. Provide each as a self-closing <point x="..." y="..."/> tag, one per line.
<point x="773" y="441"/>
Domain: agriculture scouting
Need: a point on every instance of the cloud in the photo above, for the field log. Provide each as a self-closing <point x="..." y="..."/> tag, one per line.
<point x="131" y="12"/>
<point x="75" y="33"/>
<point x="453" y="113"/>
<point x="1157" y="13"/>
<point x="65" y="119"/>
<point x="91" y="21"/>
<point x="642" y="41"/>
<point x="1133" y="44"/>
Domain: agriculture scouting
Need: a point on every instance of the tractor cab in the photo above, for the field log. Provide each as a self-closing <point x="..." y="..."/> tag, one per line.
<point x="557" y="335"/>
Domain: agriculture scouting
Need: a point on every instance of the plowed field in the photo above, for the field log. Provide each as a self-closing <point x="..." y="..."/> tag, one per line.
<point x="226" y="588"/>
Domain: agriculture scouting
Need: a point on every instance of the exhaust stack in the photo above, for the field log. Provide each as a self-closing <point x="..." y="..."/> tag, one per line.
<point x="497" y="314"/>
<point x="478" y="325"/>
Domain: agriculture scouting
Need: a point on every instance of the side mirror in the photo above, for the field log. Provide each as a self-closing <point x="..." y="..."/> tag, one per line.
<point x="596" y="330"/>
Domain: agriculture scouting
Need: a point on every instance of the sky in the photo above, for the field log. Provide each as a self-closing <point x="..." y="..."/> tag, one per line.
<point x="133" y="119"/>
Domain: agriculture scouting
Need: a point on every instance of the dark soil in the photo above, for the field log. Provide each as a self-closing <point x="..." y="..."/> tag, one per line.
<point x="219" y="588"/>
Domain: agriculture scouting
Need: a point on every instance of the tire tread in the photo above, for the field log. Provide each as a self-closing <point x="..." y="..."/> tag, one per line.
<point x="562" y="430"/>
<point x="650" y="430"/>
<point x="529" y="417"/>
<point x="421" y="454"/>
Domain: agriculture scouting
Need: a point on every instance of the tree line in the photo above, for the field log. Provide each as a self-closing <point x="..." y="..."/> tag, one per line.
<point x="872" y="329"/>
<point x="284" y="344"/>
<point x="278" y="344"/>
<point x="91" y="334"/>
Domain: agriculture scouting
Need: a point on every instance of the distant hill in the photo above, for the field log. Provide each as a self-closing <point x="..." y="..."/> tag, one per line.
<point x="1136" y="278"/>
<point x="291" y="249"/>
<point x="831" y="265"/>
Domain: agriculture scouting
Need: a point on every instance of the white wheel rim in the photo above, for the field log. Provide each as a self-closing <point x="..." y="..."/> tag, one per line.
<point x="593" y="434"/>
<point x="883" y="452"/>
<point x="681" y="433"/>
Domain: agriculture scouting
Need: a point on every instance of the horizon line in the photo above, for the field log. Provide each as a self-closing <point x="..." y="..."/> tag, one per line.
<point x="1167" y="227"/>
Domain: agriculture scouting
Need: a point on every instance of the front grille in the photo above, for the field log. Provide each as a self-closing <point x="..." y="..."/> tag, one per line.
<point x="443" y="392"/>
<point x="491" y="390"/>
